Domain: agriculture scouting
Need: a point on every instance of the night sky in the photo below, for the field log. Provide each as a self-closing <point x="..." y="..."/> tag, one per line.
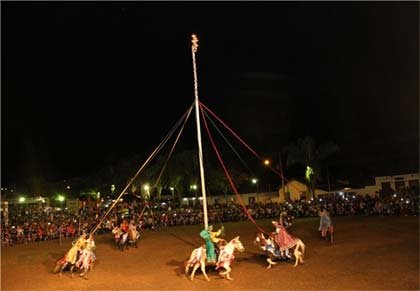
<point x="86" y="84"/>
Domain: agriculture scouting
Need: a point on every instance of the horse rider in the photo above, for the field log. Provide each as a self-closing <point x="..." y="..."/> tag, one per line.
<point x="216" y="240"/>
<point x="283" y="239"/>
<point x="124" y="226"/>
<point x="209" y="236"/>
<point x="77" y="247"/>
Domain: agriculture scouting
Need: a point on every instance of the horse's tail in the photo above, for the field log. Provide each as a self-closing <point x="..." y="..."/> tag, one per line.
<point x="192" y="257"/>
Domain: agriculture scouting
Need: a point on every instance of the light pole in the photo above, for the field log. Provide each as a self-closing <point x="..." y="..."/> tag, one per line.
<point x="147" y="189"/>
<point x="194" y="188"/>
<point x="267" y="163"/>
<point x="255" y="182"/>
<point x="61" y="198"/>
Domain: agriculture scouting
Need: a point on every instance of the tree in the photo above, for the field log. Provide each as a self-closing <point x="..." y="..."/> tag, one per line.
<point x="306" y="153"/>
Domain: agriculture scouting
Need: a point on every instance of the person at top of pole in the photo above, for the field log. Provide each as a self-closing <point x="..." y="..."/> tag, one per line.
<point x="209" y="236"/>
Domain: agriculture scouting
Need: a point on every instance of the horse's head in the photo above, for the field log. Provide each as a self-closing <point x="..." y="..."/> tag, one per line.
<point x="237" y="244"/>
<point x="257" y="240"/>
<point x="260" y="240"/>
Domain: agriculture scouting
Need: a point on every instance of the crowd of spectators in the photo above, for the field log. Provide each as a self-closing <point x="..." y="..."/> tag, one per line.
<point x="27" y="224"/>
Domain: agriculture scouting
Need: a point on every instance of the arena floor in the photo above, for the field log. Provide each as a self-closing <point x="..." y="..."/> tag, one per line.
<point x="375" y="253"/>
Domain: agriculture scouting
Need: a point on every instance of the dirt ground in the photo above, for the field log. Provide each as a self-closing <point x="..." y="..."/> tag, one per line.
<point x="375" y="253"/>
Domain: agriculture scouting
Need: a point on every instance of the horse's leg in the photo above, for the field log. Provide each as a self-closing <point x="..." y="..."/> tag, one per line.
<point x="297" y="255"/>
<point x="187" y="268"/>
<point x="270" y="262"/>
<point x="301" y="259"/>
<point x="71" y="270"/>
<point x="228" y="270"/>
<point x="224" y="273"/>
<point x="84" y="269"/>
<point x="203" y="269"/>
<point x="194" y="269"/>
<point x="302" y="247"/>
<point x="190" y="260"/>
<point x="332" y="235"/>
<point x="62" y="268"/>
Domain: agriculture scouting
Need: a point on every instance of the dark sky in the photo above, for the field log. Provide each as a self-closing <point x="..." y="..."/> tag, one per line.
<point x="86" y="84"/>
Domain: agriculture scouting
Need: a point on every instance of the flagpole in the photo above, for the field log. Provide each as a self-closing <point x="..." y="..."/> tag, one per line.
<point x="194" y="48"/>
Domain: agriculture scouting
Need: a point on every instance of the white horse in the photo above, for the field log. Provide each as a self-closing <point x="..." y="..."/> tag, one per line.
<point x="271" y="249"/>
<point x="120" y="238"/>
<point x="133" y="236"/>
<point x="198" y="258"/>
<point x="86" y="258"/>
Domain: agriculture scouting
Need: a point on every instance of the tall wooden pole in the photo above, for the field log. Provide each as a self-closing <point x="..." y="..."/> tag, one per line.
<point x="194" y="48"/>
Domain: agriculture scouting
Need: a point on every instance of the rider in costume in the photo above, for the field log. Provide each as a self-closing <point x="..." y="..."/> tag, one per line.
<point x="215" y="236"/>
<point x="78" y="246"/>
<point x="124" y="226"/>
<point x="283" y="239"/>
<point x="211" y="238"/>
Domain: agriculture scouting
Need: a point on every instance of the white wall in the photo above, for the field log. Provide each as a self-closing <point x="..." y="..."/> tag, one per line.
<point x="397" y="178"/>
<point x="259" y="197"/>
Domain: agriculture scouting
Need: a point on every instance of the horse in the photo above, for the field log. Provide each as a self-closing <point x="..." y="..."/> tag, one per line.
<point x="61" y="264"/>
<point x="71" y="257"/>
<point x="198" y="258"/>
<point x="120" y="238"/>
<point x="271" y="249"/>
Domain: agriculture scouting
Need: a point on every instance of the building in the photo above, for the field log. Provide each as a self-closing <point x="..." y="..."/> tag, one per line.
<point x="247" y="198"/>
<point x="390" y="184"/>
<point x="295" y="190"/>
